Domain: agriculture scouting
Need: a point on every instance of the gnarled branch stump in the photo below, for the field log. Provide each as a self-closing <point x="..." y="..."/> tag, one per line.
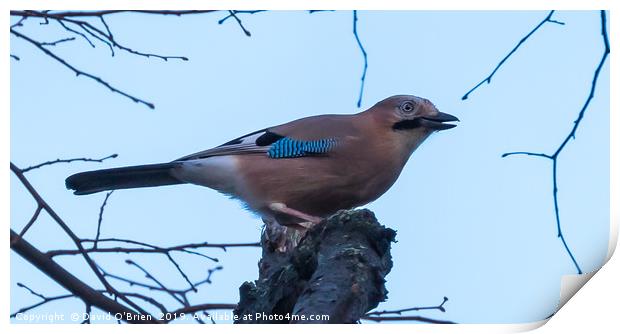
<point x="337" y="270"/>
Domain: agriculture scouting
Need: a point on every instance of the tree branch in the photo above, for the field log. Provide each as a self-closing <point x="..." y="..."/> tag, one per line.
<point x="233" y="14"/>
<point x="407" y="318"/>
<point x="364" y="54"/>
<point x="47" y="163"/>
<point x="40" y="202"/>
<point x="79" y="72"/>
<point x="487" y="80"/>
<point x="571" y="135"/>
<point x="75" y="19"/>
<point x="70" y="282"/>
<point x="150" y="248"/>
<point x="403" y="310"/>
<point x="100" y="13"/>
<point x="100" y="220"/>
<point x="338" y="269"/>
<point x="182" y="293"/>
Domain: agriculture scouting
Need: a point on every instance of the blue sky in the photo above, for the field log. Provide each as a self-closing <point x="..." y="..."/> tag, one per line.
<point x="471" y="226"/>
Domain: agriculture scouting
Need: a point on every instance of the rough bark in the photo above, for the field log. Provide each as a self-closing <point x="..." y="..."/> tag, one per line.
<point x="338" y="269"/>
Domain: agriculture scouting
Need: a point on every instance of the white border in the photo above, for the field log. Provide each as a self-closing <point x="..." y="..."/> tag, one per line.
<point x="592" y="309"/>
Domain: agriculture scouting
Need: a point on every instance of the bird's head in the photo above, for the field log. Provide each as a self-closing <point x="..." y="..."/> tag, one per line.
<point x="410" y="118"/>
<point x="408" y="112"/>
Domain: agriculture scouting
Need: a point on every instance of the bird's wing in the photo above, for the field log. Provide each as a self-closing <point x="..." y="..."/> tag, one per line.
<point x="304" y="137"/>
<point x="242" y="145"/>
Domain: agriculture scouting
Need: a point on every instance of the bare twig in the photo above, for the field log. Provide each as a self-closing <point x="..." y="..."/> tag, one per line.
<point x="100" y="13"/>
<point x="62" y="24"/>
<point x="43" y="263"/>
<point x="410" y="309"/>
<point x="204" y="307"/>
<point x="15" y="57"/>
<point x="571" y="135"/>
<point x="487" y="80"/>
<point x="79" y="72"/>
<point x="72" y="283"/>
<point x="31" y="221"/>
<point x="364" y="54"/>
<point x="58" y="41"/>
<point x="73" y="22"/>
<point x="19" y="23"/>
<point x="148" y="275"/>
<point x="150" y="247"/>
<point x="181" y="292"/>
<point x="407" y="318"/>
<point x="47" y="163"/>
<point x="88" y="312"/>
<point x="105" y="201"/>
<point x="46" y="300"/>
<point x="233" y="14"/>
<point x="103" y="36"/>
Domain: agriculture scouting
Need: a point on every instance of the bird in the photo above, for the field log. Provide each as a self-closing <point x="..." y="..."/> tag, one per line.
<point x="297" y="173"/>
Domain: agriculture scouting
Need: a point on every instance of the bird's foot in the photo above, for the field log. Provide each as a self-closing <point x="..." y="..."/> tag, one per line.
<point x="282" y="208"/>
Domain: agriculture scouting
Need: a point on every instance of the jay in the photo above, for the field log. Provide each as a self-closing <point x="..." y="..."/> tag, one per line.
<point x="296" y="173"/>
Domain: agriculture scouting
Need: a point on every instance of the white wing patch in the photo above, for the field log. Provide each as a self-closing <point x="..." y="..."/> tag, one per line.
<point x="241" y="145"/>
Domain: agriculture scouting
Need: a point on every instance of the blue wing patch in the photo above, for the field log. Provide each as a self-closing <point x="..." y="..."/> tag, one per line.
<point x="292" y="148"/>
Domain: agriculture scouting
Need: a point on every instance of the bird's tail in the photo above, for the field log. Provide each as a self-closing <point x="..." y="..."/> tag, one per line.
<point x="122" y="178"/>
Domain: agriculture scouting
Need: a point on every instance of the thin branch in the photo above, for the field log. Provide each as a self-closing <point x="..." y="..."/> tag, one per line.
<point x="407" y="318"/>
<point x="108" y="12"/>
<point x="233" y="14"/>
<point x="58" y="41"/>
<point x="57" y="269"/>
<point x="487" y="80"/>
<point x="31" y="221"/>
<point x="79" y="72"/>
<point x="151" y="248"/>
<point x="176" y="265"/>
<point x="46" y="300"/>
<point x="107" y="28"/>
<point x="62" y="24"/>
<point x="73" y="18"/>
<point x="181" y="292"/>
<point x="15" y="57"/>
<point x="156" y="281"/>
<point x="542" y="155"/>
<point x="364" y="54"/>
<point x="571" y="135"/>
<point x="204" y="307"/>
<point x="87" y="311"/>
<point x="105" y="201"/>
<point x="106" y="38"/>
<point x="32" y="292"/>
<point x="410" y="309"/>
<point x="91" y="30"/>
<point x="70" y="282"/>
<point x="20" y="22"/>
<point x="47" y="163"/>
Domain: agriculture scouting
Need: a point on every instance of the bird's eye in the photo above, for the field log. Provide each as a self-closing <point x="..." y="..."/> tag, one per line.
<point x="407" y="107"/>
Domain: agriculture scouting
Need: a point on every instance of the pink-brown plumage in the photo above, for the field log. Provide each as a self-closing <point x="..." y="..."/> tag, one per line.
<point x="354" y="160"/>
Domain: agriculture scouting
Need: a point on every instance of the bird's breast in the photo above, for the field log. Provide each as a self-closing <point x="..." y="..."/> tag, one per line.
<point x="318" y="186"/>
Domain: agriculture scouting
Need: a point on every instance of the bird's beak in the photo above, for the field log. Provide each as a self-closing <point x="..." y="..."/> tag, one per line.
<point x="436" y="121"/>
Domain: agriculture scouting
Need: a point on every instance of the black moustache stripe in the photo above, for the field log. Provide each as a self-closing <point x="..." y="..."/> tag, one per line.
<point x="407" y="124"/>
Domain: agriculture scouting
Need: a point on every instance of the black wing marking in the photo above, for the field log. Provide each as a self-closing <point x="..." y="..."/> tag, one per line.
<point x="255" y="142"/>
